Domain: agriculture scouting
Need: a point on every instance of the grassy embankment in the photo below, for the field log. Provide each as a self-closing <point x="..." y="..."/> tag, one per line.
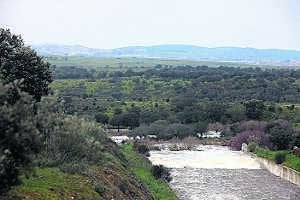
<point x="141" y="167"/>
<point x="107" y="178"/>
<point x="52" y="184"/>
<point x="112" y="179"/>
<point x="291" y="160"/>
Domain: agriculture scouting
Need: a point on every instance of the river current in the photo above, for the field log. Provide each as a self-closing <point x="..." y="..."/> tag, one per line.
<point x="217" y="173"/>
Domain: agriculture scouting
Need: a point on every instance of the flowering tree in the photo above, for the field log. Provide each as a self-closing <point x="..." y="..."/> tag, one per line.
<point x="250" y="136"/>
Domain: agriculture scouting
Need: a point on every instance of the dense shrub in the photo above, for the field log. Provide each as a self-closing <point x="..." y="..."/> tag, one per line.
<point x="123" y="186"/>
<point x="252" y="146"/>
<point x="178" y="130"/>
<point x="141" y="148"/>
<point x="258" y="137"/>
<point x="296" y="139"/>
<point x="19" y="137"/>
<point x="200" y="127"/>
<point x="161" y="172"/>
<point x="99" y="188"/>
<point x="164" y="130"/>
<point x="24" y="78"/>
<point x="74" y="140"/>
<point x="280" y="133"/>
<point x="254" y="109"/>
<point x="101" y="118"/>
<point x="279" y="158"/>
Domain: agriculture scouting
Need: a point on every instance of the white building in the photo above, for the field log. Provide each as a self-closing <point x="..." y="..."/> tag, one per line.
<point x="210" y="134"/>
<point x="152" y="136"/>
<point x="119" y="139"/>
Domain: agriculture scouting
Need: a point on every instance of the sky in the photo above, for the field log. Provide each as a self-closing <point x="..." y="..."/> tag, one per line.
<point x="118" y="23"/>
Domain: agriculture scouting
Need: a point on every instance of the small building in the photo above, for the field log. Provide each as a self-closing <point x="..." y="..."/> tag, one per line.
<point x="152" y="136"/>
<point x="210" y="134"/>
<point x="119" y="139"/>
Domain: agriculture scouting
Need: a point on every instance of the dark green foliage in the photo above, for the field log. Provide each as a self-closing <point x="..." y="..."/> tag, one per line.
<point x="99" y="188"/>
<point x="184" y="94"/>
<point x="116" y="121"/>
<point x="164" y="130"/>
<point x="235" y="113"/>
<point x="252" y="146"/>
<point x="130" y="119"/>
<point x="21" y="69"/>
<point x="201" y="127"/>
<point x="280" y="158"/>
<point x="123" y="186"/>
<point x="18" y="62"/>
<point x="254" y="109"/>
<point x="101" y="118"/>
<point x="149" y="116"/>
<point x="214" y="111"/>
<point x="161" y="172"/>
<point x="296" y="139"/>
<point x="280" y="133"/>
<point x="126" y="119"/>
<point x="141" y="148"/>
<point x="178" y="130"/>
<point x="19" y="137"/>
<point x="70" y="72"/>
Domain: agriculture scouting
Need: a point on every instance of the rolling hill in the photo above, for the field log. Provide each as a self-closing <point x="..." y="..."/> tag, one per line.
<point x="188" y="52"/>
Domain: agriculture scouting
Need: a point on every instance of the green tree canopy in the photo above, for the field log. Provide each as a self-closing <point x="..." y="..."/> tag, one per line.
<point x="18" y="62"/>
<point x="19" y="137"/>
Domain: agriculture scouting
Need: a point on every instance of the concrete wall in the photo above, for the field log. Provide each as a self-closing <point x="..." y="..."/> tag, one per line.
<point x="284" y="172"/>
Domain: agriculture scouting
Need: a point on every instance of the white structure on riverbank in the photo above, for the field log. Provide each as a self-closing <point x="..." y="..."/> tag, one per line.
<point x="119" y="139"/>
<point x="210" y="134"/>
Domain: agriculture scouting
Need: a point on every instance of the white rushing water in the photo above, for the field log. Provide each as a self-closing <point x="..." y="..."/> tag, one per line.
<point x="217" y="173"/>
<point x="207" y="157"/>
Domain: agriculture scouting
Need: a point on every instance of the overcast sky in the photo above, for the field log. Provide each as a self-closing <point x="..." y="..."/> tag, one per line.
<point x="116" y="23"/>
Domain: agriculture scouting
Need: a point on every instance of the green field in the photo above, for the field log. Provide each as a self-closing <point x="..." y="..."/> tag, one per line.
<point x="133" y="63"/>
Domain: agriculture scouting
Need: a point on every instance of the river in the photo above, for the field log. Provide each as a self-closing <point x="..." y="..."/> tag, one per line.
<point x="217" y="173"/>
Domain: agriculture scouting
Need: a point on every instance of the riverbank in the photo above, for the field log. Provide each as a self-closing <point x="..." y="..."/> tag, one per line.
<point x="288" y="170"/>
<point x="291" y="160"/>
<point x="141" y="167"/>
<point x="216" y="172"/>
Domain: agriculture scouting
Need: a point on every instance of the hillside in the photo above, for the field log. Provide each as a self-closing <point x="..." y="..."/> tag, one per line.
<point x="82" y="163"/>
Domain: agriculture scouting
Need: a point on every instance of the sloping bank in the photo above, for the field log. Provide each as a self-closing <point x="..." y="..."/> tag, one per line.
<point x="288" y="170"/>
<point x="141" y="167"/>
<point x="118" y="177"/>
<point x="80" y="162"/>
<point x="110" y="180"/>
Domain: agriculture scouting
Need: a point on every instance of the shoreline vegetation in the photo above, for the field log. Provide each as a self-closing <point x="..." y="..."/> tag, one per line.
<point x="52" y="183"/>
<point x="290" y="160"/>
<point x="141" y="167"/>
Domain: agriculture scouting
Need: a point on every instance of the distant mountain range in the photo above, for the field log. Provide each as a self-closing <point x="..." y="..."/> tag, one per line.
<point x="190" y="52"/>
